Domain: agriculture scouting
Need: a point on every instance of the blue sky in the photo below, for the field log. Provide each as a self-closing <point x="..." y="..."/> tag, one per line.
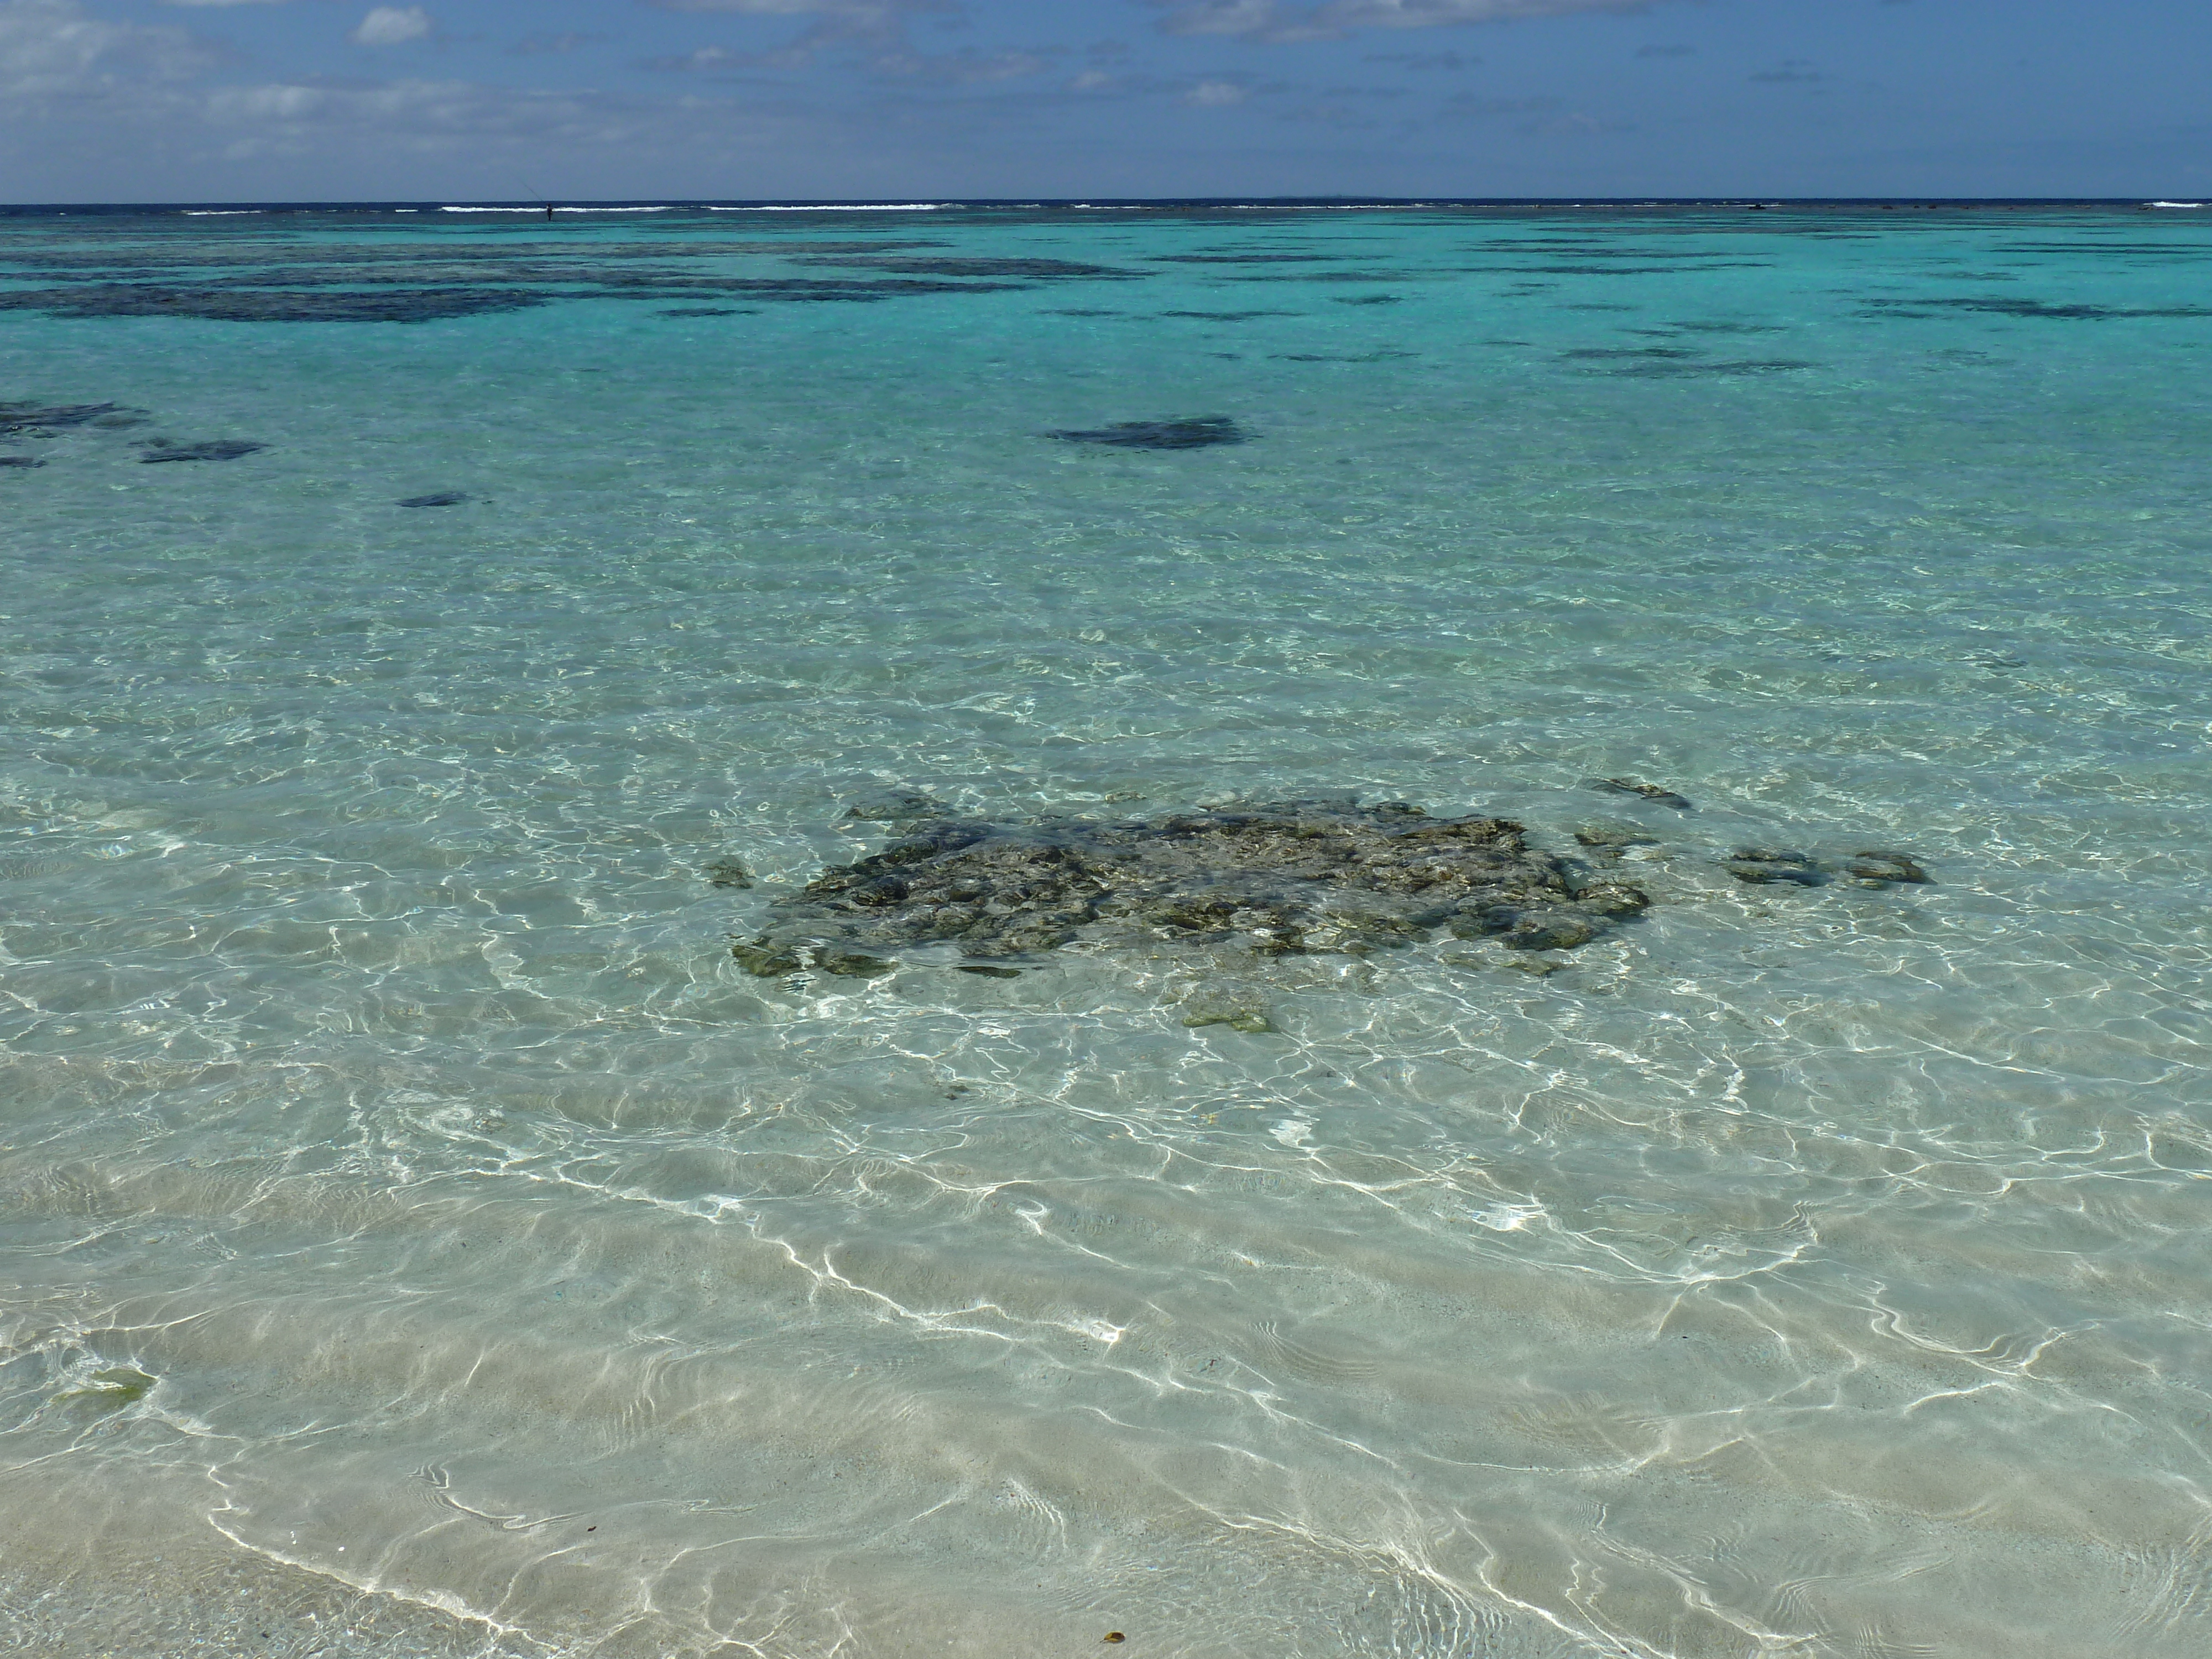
<point x="461" y="99"/>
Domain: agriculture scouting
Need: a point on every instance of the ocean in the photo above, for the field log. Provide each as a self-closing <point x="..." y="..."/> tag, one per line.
<point x="441" y="646"/>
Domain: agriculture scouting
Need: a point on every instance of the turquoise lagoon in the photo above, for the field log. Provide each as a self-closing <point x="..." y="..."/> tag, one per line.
<point x="419" y="1237"/>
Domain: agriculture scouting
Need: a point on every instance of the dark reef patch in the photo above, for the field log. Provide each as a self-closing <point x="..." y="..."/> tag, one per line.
<point x="1275" y="878"/>
<point x="21" y="461"/>
<point x="1367" y="299"/>
<point x="798" y="289"/>
<point x="1023" y="269"/>
<point x="1227" y="316"/>
<point x="1650" y="792"/>
<point x="1198" y="432"/>
<point x="1382" y="357"/>
<point x="212" y="449"/>
<point x="369" y="296"/>
<point x="1610" y="841"/>
<point x="1334" y="277"/>
<point x="708" y="311"/>
<point x="1665" y="371"/>
<point x="245" y="304"/>
<point x="1759" y="866"/>
<point x="20" y="417"/>
<point x="2000" y="307"/>
<point x="1685" y="270"/>
<point x="441" y="498"/>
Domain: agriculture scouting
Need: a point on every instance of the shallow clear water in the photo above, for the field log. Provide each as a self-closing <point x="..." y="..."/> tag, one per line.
<point x="419" y="1237"/>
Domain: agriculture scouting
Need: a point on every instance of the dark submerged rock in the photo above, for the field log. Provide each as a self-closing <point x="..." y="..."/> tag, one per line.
<point x="850" y="964"/>
<point x="1196" y="433"/>
<point x="2005" y="305"/>
<point x="21" y="460"/>
<point x="1610" y="840"/>
<point x="1681" y="371"/>
<point x="957" y="265"/>
<point x="897" y="807"/>
<point x="442" y="498"/>
<point x="1276" y="879"/>
<point x="247" y="305"/>
<point x="1759" y="866"/>
<point x="213" y="449"/>
<point x="1875" y="869"/>
<point x="1650" y="792"/>
<point x="19" y="418"/>
<point x="727" y="872"/>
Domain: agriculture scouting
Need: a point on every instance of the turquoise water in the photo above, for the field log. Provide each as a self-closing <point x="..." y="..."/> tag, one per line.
<point x="419" y="1237"/>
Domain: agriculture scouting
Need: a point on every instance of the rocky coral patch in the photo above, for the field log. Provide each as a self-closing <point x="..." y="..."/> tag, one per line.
<point x="1196" y="433"/>
<point x="46" y="418"/>
<point x="213" y="449"/>
<point x="1275" y="878"/>
<point x="1760" y="866"/>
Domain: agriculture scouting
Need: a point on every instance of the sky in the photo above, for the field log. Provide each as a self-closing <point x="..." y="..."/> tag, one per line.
<point x="241" y="100"/>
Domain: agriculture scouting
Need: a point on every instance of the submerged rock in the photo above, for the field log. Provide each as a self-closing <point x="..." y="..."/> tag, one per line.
<point x="21" y="460"/>
<point x="1250" y="1017"/>
<point x="1275" y="878"/>
<point x="213" y="449"/>
<point x="1608" y="841"/>
<point x="1650" y="792"/>
<point x="20" y="417"/>
<point x="442" y="498"/>
<point x="727" y="872"/>
<point x="963" y="265"/>
<point x="1886" y="870"/>
<point x="897" y="807"/>
<point x="245" y="304"/>
<point x="1761" y="866"/>
<point x="1190" y="434"/>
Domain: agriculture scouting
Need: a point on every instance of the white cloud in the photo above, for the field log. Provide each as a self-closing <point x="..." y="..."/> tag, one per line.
<point x="55" y="49"/>
<point x="1214" y="95"/>
<point x="392" y="25"/>
<point x="1271" y="20"/>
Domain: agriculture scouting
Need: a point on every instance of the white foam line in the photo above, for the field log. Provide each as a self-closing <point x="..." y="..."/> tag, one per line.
<point x="223" y="213"/>
<point x="2180" y="204"/>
